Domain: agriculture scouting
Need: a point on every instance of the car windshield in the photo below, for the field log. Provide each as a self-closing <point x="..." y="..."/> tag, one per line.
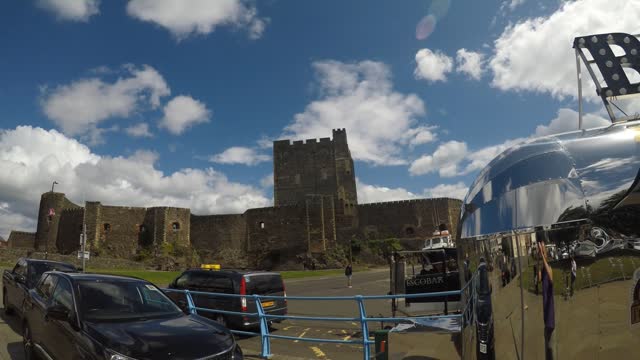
<point x="38" y="268"/>
<point x="117" y="300"/>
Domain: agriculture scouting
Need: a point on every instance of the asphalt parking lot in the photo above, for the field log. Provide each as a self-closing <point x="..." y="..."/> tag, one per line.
<point x="373" y="282"/>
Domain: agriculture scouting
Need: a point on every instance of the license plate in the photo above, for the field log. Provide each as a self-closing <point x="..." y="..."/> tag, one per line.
<point x="268" y="303"/>
<point x="483" y="348"/>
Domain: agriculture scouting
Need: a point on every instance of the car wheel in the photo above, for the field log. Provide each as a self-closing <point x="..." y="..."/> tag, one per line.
<point x="7" y="310"/>
<point x="237" y="353"/>
<point x="27" y="343"/>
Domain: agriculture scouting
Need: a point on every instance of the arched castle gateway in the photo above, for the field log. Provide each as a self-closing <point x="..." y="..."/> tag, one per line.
<point x="315" y="208"/>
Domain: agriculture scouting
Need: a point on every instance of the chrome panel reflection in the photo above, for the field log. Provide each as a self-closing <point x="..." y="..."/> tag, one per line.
<point x="583" y="175"/>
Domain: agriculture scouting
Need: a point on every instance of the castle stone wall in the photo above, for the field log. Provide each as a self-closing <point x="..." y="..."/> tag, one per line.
<point x="21" y="240"/>
<point x="47" y="229"/>
<point x="118" y="230"/>
<point x="176" y="224"/>
<point x="212" y="233"/>
<point x="407" y="219"/>
<point x="69" y="230"/>
<point x="276" y="234"/>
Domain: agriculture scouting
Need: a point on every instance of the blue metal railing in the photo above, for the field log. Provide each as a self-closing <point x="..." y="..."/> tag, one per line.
<point x="264" y="318"/>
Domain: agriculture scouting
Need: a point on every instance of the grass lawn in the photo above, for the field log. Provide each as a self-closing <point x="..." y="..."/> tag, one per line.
<point x="600" y="269"/>
<point x="163" y="278"/>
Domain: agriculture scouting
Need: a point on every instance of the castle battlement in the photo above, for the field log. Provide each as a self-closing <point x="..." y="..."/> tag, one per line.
<point x="298" y="143"/>
<point x="405" y="202"/>
<point x="73" y="210"/>
<point x="17" y="232"/>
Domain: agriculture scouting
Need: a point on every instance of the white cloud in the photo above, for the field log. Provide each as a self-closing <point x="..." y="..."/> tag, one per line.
<point x="31" y="158"/>
<point x="536" y="54"/>
<point x="77" y="108"/>
<point x="444" y="160"/>
<point x="192" y="17"/>
<point x="456" y="191"/>
<point x="360" y="97"/>
<point x="139" y="130"/>
<point x="470" y="63"/>
<point x="240" y="155"/>
<point x="10" y="220"/>
<point x="183" y="112"/>
<point x="72" y="10"/>
<point x="567" y="120"/>
<point x="477" y="160"/>
<point x="374" y="193"/>
<point x="267" y="181"/>
<point x="420" y="135"/>
<point x="432" y="66"/>
<point x="453" y="159"/>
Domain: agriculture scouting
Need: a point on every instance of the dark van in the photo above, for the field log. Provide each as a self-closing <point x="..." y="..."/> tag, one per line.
<point x="227" y="281"/>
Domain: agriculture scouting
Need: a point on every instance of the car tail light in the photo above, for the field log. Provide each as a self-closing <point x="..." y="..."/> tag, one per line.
<point x="243" y="291"/>
<point x="284" y="289"/>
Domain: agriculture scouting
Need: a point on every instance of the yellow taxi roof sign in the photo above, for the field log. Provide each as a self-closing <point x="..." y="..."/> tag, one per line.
<point x="210" y="266"/>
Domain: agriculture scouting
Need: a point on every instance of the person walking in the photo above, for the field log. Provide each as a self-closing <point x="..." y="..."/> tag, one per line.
<point x="536" y="279"/>
<point x="348" y="271"/>
<point x="548" y="308"/>
<point x="574" y="273"/>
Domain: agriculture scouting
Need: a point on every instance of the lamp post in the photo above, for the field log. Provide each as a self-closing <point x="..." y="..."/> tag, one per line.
<point x="54" y="184"/>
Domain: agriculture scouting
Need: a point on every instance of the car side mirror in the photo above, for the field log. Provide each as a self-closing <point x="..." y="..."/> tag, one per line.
<point x="182" y="304"/>
<point x="57" y="312"/>
<point x="20" y="279"/>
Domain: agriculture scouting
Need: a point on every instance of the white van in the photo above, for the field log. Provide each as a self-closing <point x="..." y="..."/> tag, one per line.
<point x="439" y="241"/>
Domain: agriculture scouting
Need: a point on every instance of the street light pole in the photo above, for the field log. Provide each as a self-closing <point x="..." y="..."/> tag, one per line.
<point x="54" y="184"/>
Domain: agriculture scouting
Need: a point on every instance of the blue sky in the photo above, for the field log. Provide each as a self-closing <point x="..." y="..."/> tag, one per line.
<point x="147" y="103"/>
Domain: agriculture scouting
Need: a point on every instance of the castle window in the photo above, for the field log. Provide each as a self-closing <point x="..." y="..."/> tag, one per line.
<point x="142" y="228"/>
<point x="175" y="226"/>
<point x="261" y="224"/>
<point x="409" y="231"/>
<point x="107" y="227"/>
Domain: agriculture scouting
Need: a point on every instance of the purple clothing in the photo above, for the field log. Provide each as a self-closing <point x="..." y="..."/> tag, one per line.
<point x="547" y="301"/>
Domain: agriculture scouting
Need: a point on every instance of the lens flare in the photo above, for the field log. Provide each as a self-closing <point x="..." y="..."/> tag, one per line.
<point x="439" y="8"/>
<point x="425" y="27"/>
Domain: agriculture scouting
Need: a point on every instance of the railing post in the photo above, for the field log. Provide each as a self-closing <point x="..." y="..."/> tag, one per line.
<point x="190" y="305"/>
<point x="264" y="329"/>
<point x="364" y="326"/>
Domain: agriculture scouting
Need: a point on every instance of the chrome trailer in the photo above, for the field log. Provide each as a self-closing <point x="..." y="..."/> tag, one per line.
<point x="580" y="192"/>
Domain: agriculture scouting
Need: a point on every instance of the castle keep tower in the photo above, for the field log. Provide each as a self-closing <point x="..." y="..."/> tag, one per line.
<point x="319" y="175"/>
<point x="315" y="169"/>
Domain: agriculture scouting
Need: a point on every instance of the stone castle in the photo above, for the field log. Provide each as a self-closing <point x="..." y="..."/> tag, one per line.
<point x="315" y="208"/>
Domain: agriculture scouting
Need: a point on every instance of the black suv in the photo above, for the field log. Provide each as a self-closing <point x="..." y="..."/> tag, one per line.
<point x="85" y="316"/>
<point x="238" y="282"/>
<point x="17" y="282"/>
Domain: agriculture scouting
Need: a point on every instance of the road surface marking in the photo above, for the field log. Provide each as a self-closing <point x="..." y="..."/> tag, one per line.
<point x="344" y="331"/>
<point x="318" y="352"/>
<point x="346" y="338"/>
<point x="301" y="335"/>
<point x="330" y="331"/>
<point x="287" y="328"/>
<point x="354" y="324"/>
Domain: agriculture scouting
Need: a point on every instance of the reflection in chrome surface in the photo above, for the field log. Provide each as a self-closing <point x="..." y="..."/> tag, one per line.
<point x="584" y="175"/>
<point x="579" y="193"/>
